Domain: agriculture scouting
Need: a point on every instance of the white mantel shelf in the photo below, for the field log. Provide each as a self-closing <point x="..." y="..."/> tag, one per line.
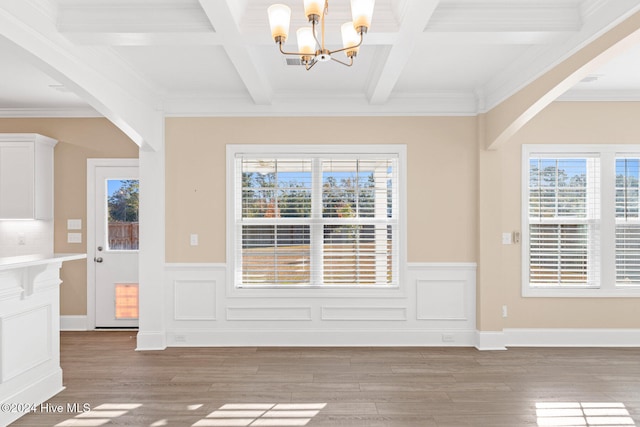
<point x="9" y="263"/>
<point x="30" y="330"/>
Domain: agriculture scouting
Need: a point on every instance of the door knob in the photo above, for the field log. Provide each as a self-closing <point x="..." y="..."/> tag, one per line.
<point x="99" y="259"/>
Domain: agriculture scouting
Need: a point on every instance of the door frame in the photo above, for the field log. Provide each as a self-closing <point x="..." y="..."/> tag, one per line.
<point x="92" y="164"/>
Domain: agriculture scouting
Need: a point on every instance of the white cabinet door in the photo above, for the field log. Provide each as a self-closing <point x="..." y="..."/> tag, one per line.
<point x="26" y="176"/>
<point x="17" y="182"/>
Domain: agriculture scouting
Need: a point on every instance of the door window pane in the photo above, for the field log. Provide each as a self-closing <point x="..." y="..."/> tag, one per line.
<point x="126" y="300"/>
<point x="122" y="201"/>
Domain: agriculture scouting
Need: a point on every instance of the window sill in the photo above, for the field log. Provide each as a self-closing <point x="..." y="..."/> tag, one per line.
<point x="630" y="292"/>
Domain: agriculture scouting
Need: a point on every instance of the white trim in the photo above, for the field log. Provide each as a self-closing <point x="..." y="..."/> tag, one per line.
<point x="585" y="95"/>
<point x="538" y="337"/>
<point x="64" y="112"/>
<point x="155" y="340"/>
<point x="364" y="337"/>
<point x="424" y="104"/>
<point x="33" y="394"/>
<point x="491" y="340"/>
<point x="73" y="323"/>
<point x="92" y="164"/>
<point x="442" y="265"/>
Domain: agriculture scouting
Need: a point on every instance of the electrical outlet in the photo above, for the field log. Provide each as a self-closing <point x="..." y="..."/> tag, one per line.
<point x="504" y="311"/>
<point x="22" y="239"/>
<point x="193" y="240"/>
<point x="447" y="338"/>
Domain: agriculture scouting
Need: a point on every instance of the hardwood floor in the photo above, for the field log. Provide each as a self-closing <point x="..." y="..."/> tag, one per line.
<point x="426" y="387"/>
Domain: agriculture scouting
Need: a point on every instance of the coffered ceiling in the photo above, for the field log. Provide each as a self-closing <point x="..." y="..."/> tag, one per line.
<point x="216" y="57"/>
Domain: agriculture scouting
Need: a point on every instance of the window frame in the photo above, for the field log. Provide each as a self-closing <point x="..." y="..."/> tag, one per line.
<point x="606" y="253"/>
<point x="272" y="150"/>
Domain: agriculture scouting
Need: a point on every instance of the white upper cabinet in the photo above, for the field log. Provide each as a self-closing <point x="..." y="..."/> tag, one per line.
<point x="26" y="176"/>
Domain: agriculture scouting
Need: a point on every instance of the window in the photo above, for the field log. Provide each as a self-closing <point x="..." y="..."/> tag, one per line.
<point x="307" y="217"/>
<point x="581" y="224"/>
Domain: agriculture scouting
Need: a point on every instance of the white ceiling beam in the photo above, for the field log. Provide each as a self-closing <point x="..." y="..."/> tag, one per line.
<point x="109" y="38"/>
<point x="221" y="14"/>
<point x="416" y="16"/>
<point x="97" y="77"/>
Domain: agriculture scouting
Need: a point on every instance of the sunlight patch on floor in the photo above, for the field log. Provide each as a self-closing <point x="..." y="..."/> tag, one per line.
<point x="261" y="414"/>
<point x="583" y="414"/>
<point x="100" y="415"/>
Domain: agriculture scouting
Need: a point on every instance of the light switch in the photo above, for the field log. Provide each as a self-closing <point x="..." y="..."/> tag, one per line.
<point x="74" y="237"/>
<point x="506" y="238"/>
<point x="193" y="240"/>
<point x="74" y="224"/>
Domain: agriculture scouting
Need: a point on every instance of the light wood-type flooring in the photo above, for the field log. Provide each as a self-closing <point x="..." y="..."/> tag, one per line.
<point x="426" y="387"/>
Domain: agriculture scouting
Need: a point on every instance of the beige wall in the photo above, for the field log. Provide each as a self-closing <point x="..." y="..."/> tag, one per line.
<point x="460" y="197"/>
<point x="442" y="160"/>
<point x="560" y="123"/>
<point x="78" y="140"/>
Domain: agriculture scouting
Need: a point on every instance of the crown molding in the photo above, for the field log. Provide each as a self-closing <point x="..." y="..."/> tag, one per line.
<point x="75" y="112"/>
<point x="601" y="96"/>
<point x="422" y="104"/>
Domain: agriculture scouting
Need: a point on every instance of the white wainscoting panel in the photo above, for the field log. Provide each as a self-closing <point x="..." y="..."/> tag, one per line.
<point x="434" y="305"/>
<point x="442" y="299"/>
<point x="269" y="313"/>
<point x="363" y="313"/>
<point x="194" y="300"/>
<point x="19" y="355"/>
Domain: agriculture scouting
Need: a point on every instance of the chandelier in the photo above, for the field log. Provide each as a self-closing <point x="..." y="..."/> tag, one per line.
<point x="311" y="46"/>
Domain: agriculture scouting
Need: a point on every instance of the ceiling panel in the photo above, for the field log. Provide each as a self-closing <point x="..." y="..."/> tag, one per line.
<point x="184" y="68"/>
<point x="454" y="67"/>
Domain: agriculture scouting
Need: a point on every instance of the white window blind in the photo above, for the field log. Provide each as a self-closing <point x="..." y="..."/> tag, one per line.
<point x="563" y="217"/>
<point x="316" y="219"/>
<point x="627" y="222"/>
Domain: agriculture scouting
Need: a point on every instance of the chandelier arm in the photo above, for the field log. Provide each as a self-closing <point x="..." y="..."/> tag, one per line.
<point x="344" y="63"/>
<point x="331" y="52"/>
<point x="315" y="36"/>
<point x="292" y="53"/>
<point x="310" y="65"/>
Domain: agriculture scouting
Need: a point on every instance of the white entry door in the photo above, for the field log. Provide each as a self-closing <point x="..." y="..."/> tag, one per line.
<point x="114" y="255"/>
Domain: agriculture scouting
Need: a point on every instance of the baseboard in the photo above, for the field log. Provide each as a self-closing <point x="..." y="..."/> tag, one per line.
<point x="154" y="340"/>
<point x="490" y="340"/>
<point x="572" y="337"/>
<point x="73" y="323"/>
<point x="320" y="338"/>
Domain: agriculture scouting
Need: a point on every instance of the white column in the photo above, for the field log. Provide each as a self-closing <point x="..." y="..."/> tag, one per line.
<point x="151" y="332"/>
